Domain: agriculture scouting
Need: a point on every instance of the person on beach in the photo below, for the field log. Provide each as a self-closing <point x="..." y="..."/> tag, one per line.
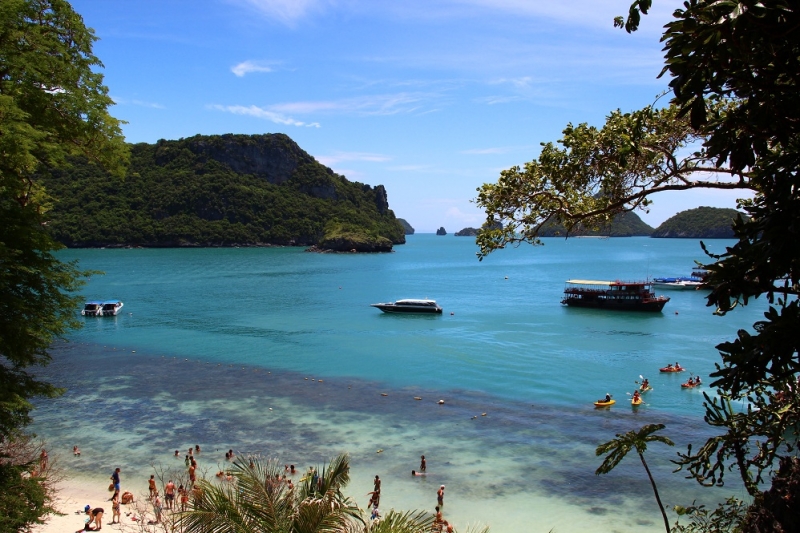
<point x="95" y="515"/>
<point x="377" y="484"/>
<point x="184" y="494"/>
<point x="187" y="462"/>
<point x="76" y="451"/>
<point x="152" y="485"/>
<point x="169" y="495"/>
<point x="437" y="521"/>
<point x="448" y="527"/>
<point x="115" y="478"/>
<point x="422" y="464"/>
<point x="43" y="460"/>
<point x="157" y="509"/>
<point x="374" y="498"/>
<point x="115" y="514"/>
<point x="192" y="474"/>
<point x="292" y="470"/>
<point x="440" y="495"/>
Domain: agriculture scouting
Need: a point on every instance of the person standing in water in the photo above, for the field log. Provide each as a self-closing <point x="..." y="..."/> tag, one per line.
<point x="422" y="464"/>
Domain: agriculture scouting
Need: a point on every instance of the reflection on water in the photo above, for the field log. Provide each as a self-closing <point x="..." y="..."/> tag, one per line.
<point x="506" y="464"/>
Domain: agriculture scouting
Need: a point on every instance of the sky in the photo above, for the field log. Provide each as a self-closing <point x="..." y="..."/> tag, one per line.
<point x="430" y="98"/>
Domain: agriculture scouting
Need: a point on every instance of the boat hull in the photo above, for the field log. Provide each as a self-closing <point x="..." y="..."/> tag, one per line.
<point x="653" y="306"/>
<point x="406" y="309"/>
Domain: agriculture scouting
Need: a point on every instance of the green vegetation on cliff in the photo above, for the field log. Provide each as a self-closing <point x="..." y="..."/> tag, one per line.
<point x="218" y="190"/>
<point x="625" y="224"/>
<point x="407" y="228"/>
<point x="700" y="223"/>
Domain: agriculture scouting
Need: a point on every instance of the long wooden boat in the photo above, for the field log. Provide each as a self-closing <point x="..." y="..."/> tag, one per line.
<point x="613" y="295"/>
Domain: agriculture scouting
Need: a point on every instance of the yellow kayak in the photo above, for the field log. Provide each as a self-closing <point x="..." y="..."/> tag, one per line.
<point x="605" y="404"/>
<point x="636" y="403"/>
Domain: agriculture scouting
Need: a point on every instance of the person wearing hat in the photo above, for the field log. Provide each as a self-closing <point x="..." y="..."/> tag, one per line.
<point x="95" y="515"/>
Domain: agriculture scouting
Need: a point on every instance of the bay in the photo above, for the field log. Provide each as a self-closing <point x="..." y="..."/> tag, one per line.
<point x="276" y="351"/>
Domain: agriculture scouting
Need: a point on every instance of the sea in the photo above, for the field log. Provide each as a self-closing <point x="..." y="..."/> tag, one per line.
<point x="277" y="353"/>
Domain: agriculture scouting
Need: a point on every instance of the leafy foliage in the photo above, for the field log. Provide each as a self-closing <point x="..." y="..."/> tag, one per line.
<point x="53" y="105"/>
<point x="215" y="191"/>
<point x="255" y="501"/>
<point x="703" y="222"/>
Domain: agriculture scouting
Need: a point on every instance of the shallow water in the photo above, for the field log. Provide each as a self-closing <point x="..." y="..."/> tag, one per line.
<point x="225" y="339"/>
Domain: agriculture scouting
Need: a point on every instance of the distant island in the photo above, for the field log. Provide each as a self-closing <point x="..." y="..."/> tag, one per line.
<point x="220" y="190"/>
<point x="467" y="232"/>
<point x="700" y="223"/>
<point x="407" y="229"/>
<point x="626" y="224"/>
<point x="441" y="231"/>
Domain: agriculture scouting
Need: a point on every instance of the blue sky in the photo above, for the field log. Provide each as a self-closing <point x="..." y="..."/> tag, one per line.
<point x="429" y="98"/>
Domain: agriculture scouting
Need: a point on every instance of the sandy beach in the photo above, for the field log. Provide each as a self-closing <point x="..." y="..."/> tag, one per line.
<point x="74" y="494"/>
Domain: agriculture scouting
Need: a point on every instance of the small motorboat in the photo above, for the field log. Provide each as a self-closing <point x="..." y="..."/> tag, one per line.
<point x="111" y="308"/>
<point x="92" y="308"/>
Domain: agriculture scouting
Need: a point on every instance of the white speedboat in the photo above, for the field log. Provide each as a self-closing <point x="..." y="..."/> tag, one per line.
<point x="409" y="306"/>
<point x="681" y="283"/>
<point x="110" y="308"/>
<point x="92" y="308"/>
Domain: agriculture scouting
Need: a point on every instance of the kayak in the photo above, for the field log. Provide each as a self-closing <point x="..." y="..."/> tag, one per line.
<point x="636" y="403"/>
<point x="671" y="369"/>
<point x="605" y="404"/>
<point x="693" y="385"/>
<point x="649" y="388"/>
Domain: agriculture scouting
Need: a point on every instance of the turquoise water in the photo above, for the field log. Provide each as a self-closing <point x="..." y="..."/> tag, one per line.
<point x="276" y="351"/>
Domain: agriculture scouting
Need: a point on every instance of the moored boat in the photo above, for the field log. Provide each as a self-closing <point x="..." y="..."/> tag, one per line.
<point x="614" y="295"/>
<point x="678" y="283"/>
<point x="409" y="306"/>
<point x="110" y="308"/>
<point x="92" y="308"/>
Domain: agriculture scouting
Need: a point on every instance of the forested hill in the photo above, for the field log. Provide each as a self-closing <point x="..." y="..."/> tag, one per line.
<point x="626" y="224"/>
<point x="220" y="190"/>
<point x="700" y="223"/>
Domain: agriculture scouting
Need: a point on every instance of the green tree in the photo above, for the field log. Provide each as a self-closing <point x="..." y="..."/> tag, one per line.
<point x="52" y="105"/>
<point x="619" y="447"/>
<point x="733" y="69"/>
<point x="257" y="501"/>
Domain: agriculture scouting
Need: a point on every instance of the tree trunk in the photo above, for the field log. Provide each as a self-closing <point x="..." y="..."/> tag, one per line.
<point x="655" y="491"/>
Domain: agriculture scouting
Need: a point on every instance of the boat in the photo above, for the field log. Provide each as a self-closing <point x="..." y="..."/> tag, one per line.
<point x="646" y="389"/>
<point x="409" y="306"/>
<point x="671" y="368"/>
<point x="92" y="308"/>
<point x="605" y="404"/>
<point x="614" y="295"/>
<point x="678" y="283"/>
<point x="636" y="402"/>
<point x="110" y="308"/>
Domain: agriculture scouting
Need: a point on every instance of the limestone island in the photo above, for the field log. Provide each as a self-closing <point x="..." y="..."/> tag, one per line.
<point x="216" y="191"/>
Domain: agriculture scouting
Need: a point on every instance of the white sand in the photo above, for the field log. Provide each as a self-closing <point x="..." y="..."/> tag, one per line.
<point x="75" y="494"/>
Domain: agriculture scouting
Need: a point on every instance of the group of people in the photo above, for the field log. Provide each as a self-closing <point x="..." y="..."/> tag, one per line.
<point x="693" y="382"/>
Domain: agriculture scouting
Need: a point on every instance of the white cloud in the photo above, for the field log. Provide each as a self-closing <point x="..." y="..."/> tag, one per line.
<point x="246" y="67"/>
<point x="141" y="103"/>
<point x="287" y="12"/>
<point x="266" y="114"/>
<point x="338" y="157"/>
<point x="387" y="104"/>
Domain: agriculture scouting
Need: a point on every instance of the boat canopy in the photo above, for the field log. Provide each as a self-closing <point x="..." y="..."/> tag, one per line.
<point x="589" y="282"/>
